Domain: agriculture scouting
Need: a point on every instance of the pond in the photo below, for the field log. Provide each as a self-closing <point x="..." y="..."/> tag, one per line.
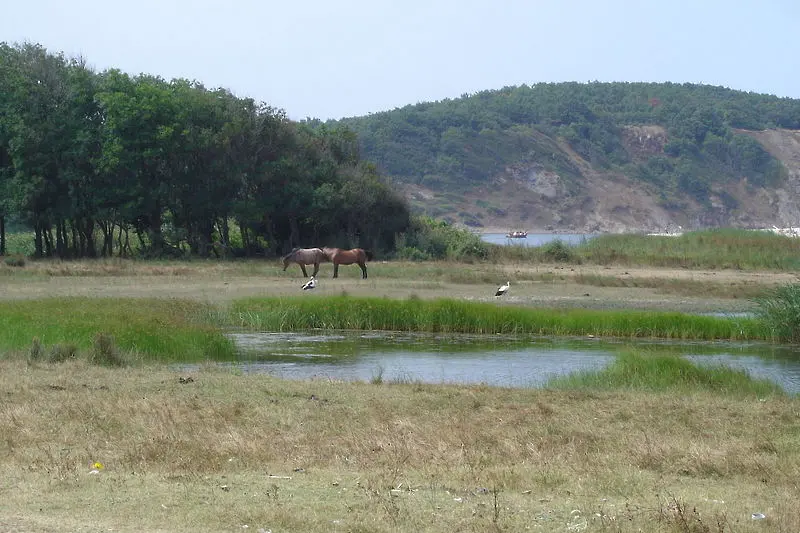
<point x="494" y="360"/>
<point x="536" y="239"/>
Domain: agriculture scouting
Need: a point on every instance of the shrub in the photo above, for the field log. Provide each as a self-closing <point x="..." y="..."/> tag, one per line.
<point x="558" y="251"/>
<point x="62" y="352"/>
<point x="104" y="351"/>
<point x="36" y="351"/>
<point x="15" y="261"/>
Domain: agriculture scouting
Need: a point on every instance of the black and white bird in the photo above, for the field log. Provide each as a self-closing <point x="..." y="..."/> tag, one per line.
<point x="310" y="284"/>
<point x="503" y="289"/>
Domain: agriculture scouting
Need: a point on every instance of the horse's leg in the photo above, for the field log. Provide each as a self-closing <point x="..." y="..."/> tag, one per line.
<point x="303" y="267"/>
<point x="363" y="270"/>
<point x="336" y="270"/>
<point x="316" y="269"/>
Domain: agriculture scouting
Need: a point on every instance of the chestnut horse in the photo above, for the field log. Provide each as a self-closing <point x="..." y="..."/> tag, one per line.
<point x="303" y="257"/>
<point x="338" y="256"/>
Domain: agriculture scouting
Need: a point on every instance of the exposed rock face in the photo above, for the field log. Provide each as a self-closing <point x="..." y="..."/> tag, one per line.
<point x="529" y="197"/>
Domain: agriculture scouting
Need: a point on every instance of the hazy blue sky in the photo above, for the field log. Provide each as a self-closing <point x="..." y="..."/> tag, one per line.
<point x="330" y="59"/>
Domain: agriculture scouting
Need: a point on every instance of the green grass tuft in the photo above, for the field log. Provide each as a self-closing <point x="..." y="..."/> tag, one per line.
<point x="666" y="372"/>
<point x="780" y="311"/>
<point x="174" y="330"/>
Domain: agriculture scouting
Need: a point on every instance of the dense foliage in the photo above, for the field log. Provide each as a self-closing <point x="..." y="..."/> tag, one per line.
<point x="88" y="160"/>
<point x="447" y="144"/>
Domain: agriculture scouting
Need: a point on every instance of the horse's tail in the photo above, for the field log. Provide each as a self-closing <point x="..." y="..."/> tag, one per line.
<point x="368" y="253"/>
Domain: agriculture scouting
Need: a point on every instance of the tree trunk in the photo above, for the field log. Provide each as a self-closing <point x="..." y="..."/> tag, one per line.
<point x="47" y="233"/>
<point x="61" y="234"/>
<point x="2" y="235"/>
<point x="38" y="248"/>
<point x="88" y="233"/>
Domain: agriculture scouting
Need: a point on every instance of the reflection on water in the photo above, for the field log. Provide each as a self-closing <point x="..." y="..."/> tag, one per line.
<point x="494" y="360"/>
<point x="536" y="239"/>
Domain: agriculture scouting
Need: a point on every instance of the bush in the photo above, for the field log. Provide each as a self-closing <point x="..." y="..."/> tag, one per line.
<point x="104" y="351"/>
<point x="432" y="239"/>
<point x="62" y="352"/>
<point x="558" y="251"/>
<point x="15" y="261"/>
<point x="36" y="351"/>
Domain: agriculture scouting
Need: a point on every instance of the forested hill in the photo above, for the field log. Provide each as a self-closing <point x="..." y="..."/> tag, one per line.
<point x="596" y="156"/>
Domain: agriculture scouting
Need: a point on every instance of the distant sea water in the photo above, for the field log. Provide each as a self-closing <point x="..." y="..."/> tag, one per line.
<point x="537" y="239"/>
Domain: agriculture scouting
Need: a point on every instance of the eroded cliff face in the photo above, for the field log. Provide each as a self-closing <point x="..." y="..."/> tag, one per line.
<point x="526" y="196"/>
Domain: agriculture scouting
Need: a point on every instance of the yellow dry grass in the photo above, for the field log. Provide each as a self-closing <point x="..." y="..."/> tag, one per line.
<point x="221" y="451"/>
<point x="537" y="285"/>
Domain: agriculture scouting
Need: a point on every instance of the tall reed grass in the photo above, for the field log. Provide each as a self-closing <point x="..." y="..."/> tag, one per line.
<point x="712" y="249"/>
<point x="780" y="311"/>
<point x="344" y="312"/>
<point x="151" y="328"/>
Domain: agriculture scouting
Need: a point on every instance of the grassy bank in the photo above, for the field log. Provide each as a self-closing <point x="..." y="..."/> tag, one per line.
<point x="182" y="330"/>
<point x="150" y="449"/>
<point x="661" y="372"/>
<point x="171" y="330"/>
<point x="709" y="249"/>
<point x="344" y="312"/>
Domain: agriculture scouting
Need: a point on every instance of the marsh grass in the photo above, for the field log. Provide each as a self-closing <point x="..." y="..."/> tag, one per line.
<point x="226" y="450"/>
<point x="661" y="372"/>
<point x="666" y="285"/>
<point x="780" y="310"/>
<point x="151" y="328"/>
<point x="714" y="249"/>
<point x="458" y="316"/>
<point x="725" y="248"/>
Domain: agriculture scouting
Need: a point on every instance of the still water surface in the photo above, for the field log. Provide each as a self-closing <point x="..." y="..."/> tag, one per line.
<point x="469" y="359"/>
<point x="537" y="239"/>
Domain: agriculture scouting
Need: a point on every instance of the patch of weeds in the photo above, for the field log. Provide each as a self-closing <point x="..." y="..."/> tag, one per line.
<point x="688" y="520"/>
<point x="105" y="352"/>
<point x="558" y="251"/>
<point x="15" y="261"/>
<point x="36" y="351"/>
<point x="61" y="352"/>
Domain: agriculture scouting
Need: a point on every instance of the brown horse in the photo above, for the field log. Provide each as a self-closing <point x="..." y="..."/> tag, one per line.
<point x="303" y="257"/>
<point x="347" y="257"/>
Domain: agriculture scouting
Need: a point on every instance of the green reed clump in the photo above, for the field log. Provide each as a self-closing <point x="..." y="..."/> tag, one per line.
<point x="153" y="328"/>
<point x="458" y="316"/>
<point x="780" y="311"/>
<point x="666" y="372"/>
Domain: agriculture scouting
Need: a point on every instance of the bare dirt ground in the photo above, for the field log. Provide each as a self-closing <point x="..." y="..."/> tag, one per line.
<point x="535" y="285"/>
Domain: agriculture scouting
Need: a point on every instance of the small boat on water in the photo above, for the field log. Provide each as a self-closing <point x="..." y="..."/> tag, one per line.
<point x="517" y="235"/>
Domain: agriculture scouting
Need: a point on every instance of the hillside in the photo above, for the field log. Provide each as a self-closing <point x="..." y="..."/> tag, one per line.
<point x="607" y="157"/>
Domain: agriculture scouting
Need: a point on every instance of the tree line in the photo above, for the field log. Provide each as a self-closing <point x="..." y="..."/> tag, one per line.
<point x="97" y="164"/>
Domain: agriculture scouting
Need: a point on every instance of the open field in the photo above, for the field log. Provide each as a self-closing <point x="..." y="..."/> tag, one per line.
<point x="151" y="448"/>
<point x="561" y="285"/>
<point x="217" y="451"/>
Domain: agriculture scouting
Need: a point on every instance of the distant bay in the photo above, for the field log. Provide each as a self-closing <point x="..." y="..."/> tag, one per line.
<point x="537" y="239"/>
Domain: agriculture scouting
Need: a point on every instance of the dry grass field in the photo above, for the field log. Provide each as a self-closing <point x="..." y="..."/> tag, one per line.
<point x="152" y="448"/>
<point x="539" y="285"/>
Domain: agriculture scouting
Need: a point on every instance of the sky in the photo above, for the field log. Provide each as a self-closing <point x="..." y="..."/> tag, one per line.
<point x="333" y="59"/>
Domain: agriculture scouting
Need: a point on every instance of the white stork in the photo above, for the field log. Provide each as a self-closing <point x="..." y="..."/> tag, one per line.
<point x="503" y="289"/>
<point x="310" y="284"/>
